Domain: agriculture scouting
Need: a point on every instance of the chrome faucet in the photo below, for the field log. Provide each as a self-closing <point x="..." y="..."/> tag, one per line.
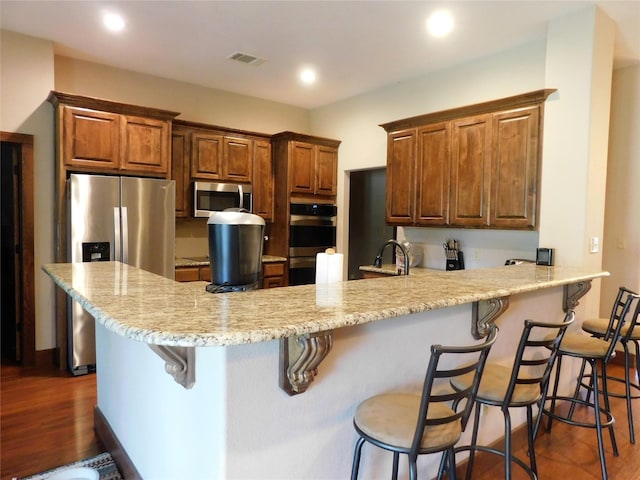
<point x="378" y="261"/>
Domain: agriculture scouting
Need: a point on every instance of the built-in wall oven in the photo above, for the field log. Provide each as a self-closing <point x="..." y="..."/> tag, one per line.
<point x="312" y="229"/>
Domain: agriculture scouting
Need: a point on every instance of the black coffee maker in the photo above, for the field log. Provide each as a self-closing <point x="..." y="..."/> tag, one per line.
<point x="235" y="250"/>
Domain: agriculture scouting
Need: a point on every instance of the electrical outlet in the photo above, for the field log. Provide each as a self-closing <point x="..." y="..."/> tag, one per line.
<point x="594" y="247"/>
<point x="621" y="243"/>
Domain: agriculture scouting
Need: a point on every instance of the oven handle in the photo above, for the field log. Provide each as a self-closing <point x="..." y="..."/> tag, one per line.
<point x="311" y="221"/>
<point x="302" y="262"/>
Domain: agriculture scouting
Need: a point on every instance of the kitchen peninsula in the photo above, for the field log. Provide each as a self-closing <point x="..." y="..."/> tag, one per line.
<point x="233" y="420"/>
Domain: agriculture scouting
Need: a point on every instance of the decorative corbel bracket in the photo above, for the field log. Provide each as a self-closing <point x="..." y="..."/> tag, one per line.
<point x="180" y="363"/>
<point x="574" y="292"/>
<point x="484" y="313"/>
<point x="299" y="360"/>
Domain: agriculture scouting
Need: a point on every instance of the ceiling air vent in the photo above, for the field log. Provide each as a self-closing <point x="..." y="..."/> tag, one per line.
<point x="246" y="58"/>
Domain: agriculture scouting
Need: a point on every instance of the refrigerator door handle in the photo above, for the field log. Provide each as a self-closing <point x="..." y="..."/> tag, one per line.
<point x="117" y="255"/>
<point x="240" y="192"/>
<point x="125" y="236"/>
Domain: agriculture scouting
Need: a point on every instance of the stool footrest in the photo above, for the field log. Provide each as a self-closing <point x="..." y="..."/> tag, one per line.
<point x="500" y="453"/>
<point x="571" y="421"/>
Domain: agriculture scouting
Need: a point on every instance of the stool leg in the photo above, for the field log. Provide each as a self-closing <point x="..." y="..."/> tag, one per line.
<point x="356" y="459"/>
<point x="596" y="407"/>
<point x="576" y="393"/>
<point x="451" y="459"/>
<point x="552" y="408"/>
<point x="530" y="439"/>
<point x="394" y="473"/>
<point x="607" y="405"/>
<point x="627" y="386"/>
<point x="474" y="440"/>
<point x="507" y="443"/>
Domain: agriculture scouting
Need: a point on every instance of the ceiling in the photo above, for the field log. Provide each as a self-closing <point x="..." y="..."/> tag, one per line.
<point x="355" y="46"/>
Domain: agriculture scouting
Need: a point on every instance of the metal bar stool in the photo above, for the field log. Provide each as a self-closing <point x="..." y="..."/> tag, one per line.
<point x="629" y="335"/>
<point x="520" y="385"/>
<point x="416" y="424"/>
<point x="596" y="352"/>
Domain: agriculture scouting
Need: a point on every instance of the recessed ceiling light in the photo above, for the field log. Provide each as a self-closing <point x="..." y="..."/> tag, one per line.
<point x="308" y="76"/>
<point x="113" y="22"/>
<point x="440" y="23"/>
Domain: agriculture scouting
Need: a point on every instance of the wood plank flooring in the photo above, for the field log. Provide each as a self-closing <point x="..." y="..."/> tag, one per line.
<point x="47" y="420"/>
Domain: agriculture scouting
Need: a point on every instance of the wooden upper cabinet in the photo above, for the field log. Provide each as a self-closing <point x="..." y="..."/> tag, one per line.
<point x="215" y="156"/>
<point x="432" y="175"/>
<point x="180" y="171"/>
<point x="516" y="139"/>
<point x="237" y="162"/>
<point x="475" y="166"/>
<point x="263" y="180"/>
<point x="206" y="156"/>
<point x="90" y="138"/>
<point x="401" y="153"/>
<point x="313" y="169"/>
<point x="145" y="144"/>
<point x="302" y="168"/>
<point x="470" y="171"/>
<point x="101" y="136"/>
<point x="326" y="180"/>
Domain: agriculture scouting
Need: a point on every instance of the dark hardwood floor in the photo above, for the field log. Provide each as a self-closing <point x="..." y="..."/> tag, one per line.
<point x="47" y="420"/>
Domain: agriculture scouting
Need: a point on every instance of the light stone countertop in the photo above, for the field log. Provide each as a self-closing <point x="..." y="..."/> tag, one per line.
<point x="392" y="270"/>
<point x="149" y="308"/>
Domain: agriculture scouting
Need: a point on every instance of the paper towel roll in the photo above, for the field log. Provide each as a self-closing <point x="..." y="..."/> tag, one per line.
<point x="328" y="267"/>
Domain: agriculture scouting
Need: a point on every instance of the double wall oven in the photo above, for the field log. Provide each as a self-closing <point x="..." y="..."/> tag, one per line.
<point x="312" y="229"/>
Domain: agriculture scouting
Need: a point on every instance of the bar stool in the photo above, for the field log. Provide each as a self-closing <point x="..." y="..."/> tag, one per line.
<point x="416" y="424"/>
<point x="628" y="335"/>
<point x="520" y="385"/>
<point x="594" y="351"/>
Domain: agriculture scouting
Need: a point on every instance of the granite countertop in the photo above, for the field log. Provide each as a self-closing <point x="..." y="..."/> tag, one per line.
<point x="149" y="308"/>
<point x="204" y="261"/>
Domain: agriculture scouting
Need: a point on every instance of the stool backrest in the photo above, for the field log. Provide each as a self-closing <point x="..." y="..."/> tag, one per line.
<point x="633" y="320"/>
<point x="622" y="307"/>
<point x="437" y="387"/>
<point x="533" y="364"/>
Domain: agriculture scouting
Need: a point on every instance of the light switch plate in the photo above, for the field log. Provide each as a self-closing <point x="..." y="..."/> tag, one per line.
<point x="594" y="246"/>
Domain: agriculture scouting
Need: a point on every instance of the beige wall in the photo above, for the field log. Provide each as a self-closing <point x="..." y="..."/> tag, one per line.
<point x="194" y="103"/>
<point x="621" y="244"/>
<point x="26" y="77"/>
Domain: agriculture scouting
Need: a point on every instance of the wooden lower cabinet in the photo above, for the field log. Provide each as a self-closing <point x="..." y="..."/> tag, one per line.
<point x="273" y="274"/>
<point x="193" y="274"/>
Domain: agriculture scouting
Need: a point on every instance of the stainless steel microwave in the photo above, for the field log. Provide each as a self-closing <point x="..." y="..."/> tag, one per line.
<point x="214" y="197"/>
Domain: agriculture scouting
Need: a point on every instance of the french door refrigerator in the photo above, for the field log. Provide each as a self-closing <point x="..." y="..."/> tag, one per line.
<point x="131" y="220"/>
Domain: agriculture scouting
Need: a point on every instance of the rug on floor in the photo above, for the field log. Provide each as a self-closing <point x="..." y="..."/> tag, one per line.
<point x="103" y="463"/>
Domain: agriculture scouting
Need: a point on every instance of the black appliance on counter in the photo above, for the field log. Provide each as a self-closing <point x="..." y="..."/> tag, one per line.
<point x="235" y="250"/>
<point x="312" y="229"/>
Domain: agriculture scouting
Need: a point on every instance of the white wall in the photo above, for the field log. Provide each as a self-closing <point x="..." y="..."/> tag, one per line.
<point x="621" y="243"/>
<point x="26" y="76"/>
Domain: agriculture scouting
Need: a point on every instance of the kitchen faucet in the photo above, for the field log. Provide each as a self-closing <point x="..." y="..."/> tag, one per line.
<point x="378" y="261"/>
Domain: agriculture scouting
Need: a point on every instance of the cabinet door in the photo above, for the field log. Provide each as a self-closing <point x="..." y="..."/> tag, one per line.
<point x="90" y="138"/>
<point x="401" y="154"/>
<point x="237" y="160"/>
<point x="145" y="145"/>
<point x="326" y="170"/>
<point x="262" y="180"/>
<point x="432" y="174"/>
<point x="206" y="156"/>
<point x="180" y="171"/>
<point x="514" y="175"/>
<point x="470" y="171"/>
<point x="301" y="167"/>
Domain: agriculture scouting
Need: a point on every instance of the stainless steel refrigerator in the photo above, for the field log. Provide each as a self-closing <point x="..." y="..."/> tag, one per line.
<point x="131" y="220"/>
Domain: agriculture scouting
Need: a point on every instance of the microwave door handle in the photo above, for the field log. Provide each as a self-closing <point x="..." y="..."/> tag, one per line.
<point x="241" y="196"/>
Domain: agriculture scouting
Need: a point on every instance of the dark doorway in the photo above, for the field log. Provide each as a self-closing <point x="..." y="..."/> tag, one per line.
<point x="367" y="227"/>
<point x="16" y="249"/>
